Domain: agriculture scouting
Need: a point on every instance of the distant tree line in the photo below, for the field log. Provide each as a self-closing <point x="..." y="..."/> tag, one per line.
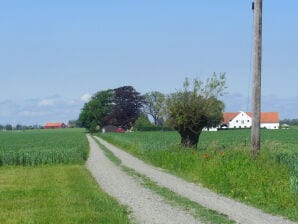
<point x="9" y="127"/>
<point x="187" y="111"/>
<point x="289" y="121"/>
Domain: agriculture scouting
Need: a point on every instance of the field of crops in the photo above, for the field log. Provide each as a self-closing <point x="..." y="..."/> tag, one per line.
<point x="54" y="186"/>
<point x="219" y="139"/>
<point x="43" y="147"/>
<point x="283" y="144"/>
<point x="223" y="163"/>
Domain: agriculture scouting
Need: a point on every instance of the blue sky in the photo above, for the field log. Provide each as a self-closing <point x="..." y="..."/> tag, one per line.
<point x="54" y="54"/>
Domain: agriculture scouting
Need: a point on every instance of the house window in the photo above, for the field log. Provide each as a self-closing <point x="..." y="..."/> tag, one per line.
<point x="248" y="121"/>
<point x="236" y="121"/>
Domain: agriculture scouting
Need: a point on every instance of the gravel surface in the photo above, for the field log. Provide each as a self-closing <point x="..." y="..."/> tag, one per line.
<point x="146" y="207"/>
<point x="237" y="211"/>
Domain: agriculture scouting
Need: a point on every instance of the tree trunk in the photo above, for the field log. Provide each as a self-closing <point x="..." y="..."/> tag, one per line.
<point x="189" y="139"/>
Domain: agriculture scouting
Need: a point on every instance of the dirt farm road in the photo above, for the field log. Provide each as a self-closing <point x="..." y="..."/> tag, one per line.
<point x="148" y="207"/>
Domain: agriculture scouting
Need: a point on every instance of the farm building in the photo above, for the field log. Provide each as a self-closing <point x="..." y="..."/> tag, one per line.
<point x="269" y="120"/>
<point x="54" y="125"/>
<point x="112" y="128"/>
<point x="109" y="128"/>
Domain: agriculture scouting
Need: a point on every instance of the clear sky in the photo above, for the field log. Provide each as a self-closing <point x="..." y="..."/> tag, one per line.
<point x="54" y="54"/>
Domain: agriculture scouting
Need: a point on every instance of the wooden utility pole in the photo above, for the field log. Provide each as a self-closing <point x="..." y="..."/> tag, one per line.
<point x="256" y="92"/>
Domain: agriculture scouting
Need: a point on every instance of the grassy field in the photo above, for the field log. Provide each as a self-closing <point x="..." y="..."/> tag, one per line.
<point x="55" y="194"/>
<point x="223" y="163"/>
<point x="43" y="147"/>
<point x="43" y="180"/>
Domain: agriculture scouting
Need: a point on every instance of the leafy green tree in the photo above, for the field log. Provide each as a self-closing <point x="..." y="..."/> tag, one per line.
<point x="8" y="127"/>
<point x="189" y="111"/>
<point x="154" y="105"/>
<point x="120" y="107"/>
<point x="19" y="127"/>
<point x="95" y="111"/>
<point x="143" y="123"/>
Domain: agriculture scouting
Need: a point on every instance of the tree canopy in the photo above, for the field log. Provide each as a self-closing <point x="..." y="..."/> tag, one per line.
<point x="94" y="112"/>
<point x="127" y="107"/>
<point x="143" y="123"/>
<point x="190" y="110"/>
<point x="154" y="105"/>
<point x="120" y="107"/>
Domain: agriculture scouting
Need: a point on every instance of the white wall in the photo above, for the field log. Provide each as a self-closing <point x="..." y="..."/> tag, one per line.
<point x="270" y="125"/>
<point x="242" y="120"/>
<point x="209" y="129"/>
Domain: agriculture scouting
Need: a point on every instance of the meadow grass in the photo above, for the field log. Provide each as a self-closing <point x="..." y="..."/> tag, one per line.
<point x="35" y="147"/>
<point x="55" y="194"/>
<point x="224" y="164"/>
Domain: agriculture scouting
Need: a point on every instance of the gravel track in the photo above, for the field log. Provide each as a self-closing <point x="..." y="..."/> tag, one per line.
<point x="237" y="211"/>
<point x="146" y="207"/>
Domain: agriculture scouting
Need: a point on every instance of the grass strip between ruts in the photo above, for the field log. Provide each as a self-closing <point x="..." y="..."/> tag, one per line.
<point x="204" y="214"/>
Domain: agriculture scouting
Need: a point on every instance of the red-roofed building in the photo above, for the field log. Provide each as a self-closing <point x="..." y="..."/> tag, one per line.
<point x="54" y="125"/>
<point x="269" y="120"/>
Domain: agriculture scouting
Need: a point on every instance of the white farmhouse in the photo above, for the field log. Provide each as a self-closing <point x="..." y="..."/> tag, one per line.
<point x="269" y="120"/>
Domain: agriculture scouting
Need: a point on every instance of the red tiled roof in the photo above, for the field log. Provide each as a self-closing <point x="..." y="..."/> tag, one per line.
<point x="227" y="117"/>
<point x="54" y="125"/>
<point x="266" y="117"/>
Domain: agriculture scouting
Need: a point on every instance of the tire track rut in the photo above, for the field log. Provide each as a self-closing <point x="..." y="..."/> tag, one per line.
<point x="146" y="206"/>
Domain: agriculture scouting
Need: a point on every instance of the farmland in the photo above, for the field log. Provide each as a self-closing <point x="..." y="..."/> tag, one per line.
<point x="223" y="163"/>
<point x="43" y="180"/>
<point x="42" y="147"/>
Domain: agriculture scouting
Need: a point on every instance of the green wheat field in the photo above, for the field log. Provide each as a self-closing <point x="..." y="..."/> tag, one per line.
<point x="43" y="180"/>
<point x="223" y="163"/>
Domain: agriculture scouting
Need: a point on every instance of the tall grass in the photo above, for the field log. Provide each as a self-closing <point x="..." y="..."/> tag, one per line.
<point x="224" y="163"/>
<point x="43" y="147"/>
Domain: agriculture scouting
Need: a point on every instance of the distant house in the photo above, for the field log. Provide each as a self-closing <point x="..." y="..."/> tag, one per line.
<point x="109" y="128"/>
<point x="54" y="125"/>
<point x="269" y="120"/>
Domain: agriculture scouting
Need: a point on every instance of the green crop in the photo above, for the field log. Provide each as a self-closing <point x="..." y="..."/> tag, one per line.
<point x="38" y="147"/>
<point x="223" y="163"/>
